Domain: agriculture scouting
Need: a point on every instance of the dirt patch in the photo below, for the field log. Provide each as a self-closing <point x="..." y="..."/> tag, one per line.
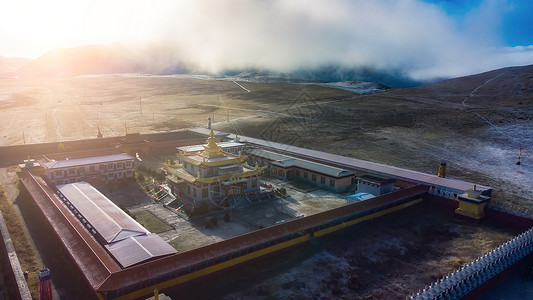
<point x="151" y="222"/>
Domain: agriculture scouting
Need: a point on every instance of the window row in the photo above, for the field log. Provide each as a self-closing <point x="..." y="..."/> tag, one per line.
<point x="93" y="168"/>
<point x="258" y="247"/>
<point x="281" y="173"/>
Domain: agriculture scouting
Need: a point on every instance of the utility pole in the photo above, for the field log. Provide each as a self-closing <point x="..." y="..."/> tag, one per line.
<point x="23" y="138"/>
<point x="126" y="128"/>
<point x="519" y="162"/>
<point x="140" y="106"/>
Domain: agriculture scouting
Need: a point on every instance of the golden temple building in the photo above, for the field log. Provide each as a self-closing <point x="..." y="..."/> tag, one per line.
<point x="215" y="177"/>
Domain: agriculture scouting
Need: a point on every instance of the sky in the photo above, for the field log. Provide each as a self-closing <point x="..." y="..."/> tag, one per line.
<point x="425" y="39"/>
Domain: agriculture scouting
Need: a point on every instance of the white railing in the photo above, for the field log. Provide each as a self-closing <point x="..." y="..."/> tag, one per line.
<point x="464" y="280"/>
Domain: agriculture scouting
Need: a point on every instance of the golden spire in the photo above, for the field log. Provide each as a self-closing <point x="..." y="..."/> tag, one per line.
<point x="212" y="150"/>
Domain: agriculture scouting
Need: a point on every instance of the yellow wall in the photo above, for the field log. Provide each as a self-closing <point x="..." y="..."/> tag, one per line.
<point x="472" y="210"/>
<point x="365" y="218"/>
<point x="215" y="268"/>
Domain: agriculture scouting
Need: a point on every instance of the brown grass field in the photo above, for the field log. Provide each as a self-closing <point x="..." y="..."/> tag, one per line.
<point x="66" y="109"/>
<point x="477" y="124"/>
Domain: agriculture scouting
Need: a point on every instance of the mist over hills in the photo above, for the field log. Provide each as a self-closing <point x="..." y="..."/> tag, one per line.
<point x="100" y="59"/>
<point x="162" y="60"/>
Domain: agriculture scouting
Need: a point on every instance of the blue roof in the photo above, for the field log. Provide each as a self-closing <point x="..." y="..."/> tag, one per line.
<point x="359" y="197"/>
<point x="362" y="195"/>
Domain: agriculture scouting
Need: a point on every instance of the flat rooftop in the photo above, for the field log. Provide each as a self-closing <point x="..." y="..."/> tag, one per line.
<point x="375" y="179"/>
<point x="198" y="148"/>
<point x="289" y="161"/>
<point x="202" y="158"/>
<point x="67" y="163"/>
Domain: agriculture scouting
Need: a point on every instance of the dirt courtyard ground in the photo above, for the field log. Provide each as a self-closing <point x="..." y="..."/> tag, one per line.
<point x="189" y="232"/>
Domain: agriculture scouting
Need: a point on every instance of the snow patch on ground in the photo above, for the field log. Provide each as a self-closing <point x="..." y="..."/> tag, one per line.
<point x="358" y="87"/>
<point x="325" y="274"/>
<point x="307" y="281"/>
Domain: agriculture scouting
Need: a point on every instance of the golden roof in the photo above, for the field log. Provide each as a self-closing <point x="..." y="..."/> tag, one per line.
<point x="212" y="149"/>
<point x="209" y="180"/>
<point x="212" y="156"/>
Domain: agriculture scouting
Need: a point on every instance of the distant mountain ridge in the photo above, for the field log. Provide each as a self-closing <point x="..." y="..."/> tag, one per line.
<point x="508" y="83"/>
<point x="89" y="60"/>
<point x="161" y="60"/>
<point x="10" y="65"/>
<point x="112" y="59"/>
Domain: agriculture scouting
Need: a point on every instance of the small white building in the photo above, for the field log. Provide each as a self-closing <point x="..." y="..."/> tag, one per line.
<point x="374" y="185"/>
<point x="228" y="147"/>
<point x="104" y="168"/>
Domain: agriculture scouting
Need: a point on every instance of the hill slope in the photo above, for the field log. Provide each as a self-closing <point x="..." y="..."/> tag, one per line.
<point x="101" y="59"/>
<point x="507" y="84"/>
<point x="10" y="65"/>
<point x="476" y="123"/>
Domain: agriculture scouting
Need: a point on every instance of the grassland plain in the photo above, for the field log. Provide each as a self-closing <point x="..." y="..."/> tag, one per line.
<point x="48" y="110"/>
<point x="477" y="123"/>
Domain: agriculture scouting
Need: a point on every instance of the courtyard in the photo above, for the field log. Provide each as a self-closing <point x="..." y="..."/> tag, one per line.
<point x="186" y="232"/>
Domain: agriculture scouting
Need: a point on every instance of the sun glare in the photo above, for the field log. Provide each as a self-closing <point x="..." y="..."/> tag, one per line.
<point x="39" y="26"/>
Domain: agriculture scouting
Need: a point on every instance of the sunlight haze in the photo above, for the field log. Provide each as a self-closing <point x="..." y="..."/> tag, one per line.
<point x="423" y="39"/>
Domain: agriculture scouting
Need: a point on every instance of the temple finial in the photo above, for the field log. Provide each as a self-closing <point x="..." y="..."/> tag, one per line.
<point x="212" y="150"/>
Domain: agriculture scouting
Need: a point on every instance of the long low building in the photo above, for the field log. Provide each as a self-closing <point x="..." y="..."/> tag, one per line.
<point x="128" y="242"/>
<point x="439" y="186"/>
<point x="287" y="167"/>
<point x="101" y="168"/>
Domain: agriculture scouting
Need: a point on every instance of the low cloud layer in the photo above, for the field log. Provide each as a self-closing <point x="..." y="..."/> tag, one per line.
<point x="418" y="38"/>
<point x="413" y="36"/>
